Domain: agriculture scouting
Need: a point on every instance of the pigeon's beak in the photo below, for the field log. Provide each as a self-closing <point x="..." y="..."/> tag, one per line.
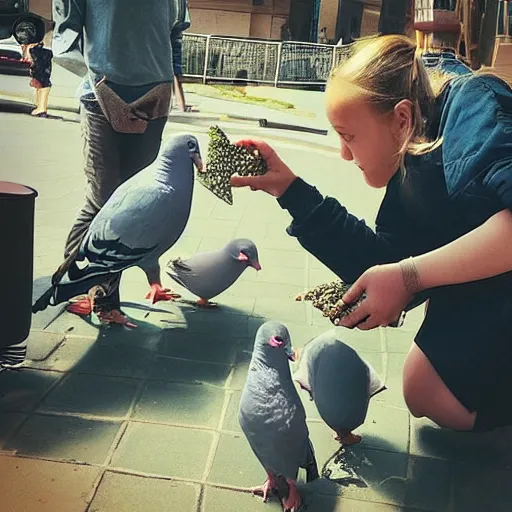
<point x="256" y="265"/>
<point x="291" y="354"/>
<point x="198" y="162"/>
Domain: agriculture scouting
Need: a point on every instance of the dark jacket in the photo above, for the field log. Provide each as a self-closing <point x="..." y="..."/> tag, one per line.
<point x="41" y="67"/>
<point x="445" y="193"/>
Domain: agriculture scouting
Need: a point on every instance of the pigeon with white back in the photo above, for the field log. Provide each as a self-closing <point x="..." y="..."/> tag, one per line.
<point x="273" y="418"/>
<point x="143" y="218"/>
<point x="339" y="381"/>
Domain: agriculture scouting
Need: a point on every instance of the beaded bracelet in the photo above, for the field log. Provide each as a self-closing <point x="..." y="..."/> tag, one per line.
<point x="410" y="276"/>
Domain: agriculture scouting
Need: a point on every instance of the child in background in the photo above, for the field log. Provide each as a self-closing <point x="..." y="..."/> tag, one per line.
<point x="40" y="59"/>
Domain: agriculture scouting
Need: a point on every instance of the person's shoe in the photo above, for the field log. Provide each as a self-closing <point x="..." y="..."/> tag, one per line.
<point x="12" y="357"/>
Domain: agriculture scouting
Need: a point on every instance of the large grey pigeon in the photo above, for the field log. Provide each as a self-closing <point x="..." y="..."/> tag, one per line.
<point x="210" y="273"/>
<point x="143" y="218"/>
<point x="339" y="381"/>
<point x="273" y="418"/>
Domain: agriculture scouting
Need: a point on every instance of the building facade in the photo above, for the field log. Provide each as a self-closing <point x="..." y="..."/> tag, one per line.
<point x="242" y="18"/>
<point x="302" y="19"/>
<point x="264" y="18"/>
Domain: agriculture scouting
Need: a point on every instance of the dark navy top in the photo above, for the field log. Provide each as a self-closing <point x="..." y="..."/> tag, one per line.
<point x="445" y="194"/>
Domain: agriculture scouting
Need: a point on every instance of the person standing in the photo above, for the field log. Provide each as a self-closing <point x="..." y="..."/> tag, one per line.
<point x="124" y="49"/>
<point x="182" y="23"/>
<point x="40" y="59"/>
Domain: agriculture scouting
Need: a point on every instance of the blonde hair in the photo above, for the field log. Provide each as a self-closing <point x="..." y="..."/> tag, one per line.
<point x="388" y="70"/>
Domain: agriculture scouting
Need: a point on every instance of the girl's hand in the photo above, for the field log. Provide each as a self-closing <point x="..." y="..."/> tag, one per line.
<point x="386" y="298"/>
<point x="278" y="177"/>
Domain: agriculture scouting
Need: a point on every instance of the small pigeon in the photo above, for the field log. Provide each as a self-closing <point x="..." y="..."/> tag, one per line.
<point x="143" y="218"/>
<point x="273" y="418"/>
<point x="340" y="383"/>
<point x="209" y="274"/>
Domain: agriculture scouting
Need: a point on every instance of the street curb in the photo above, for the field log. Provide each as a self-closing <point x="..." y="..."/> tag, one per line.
<point x="200" y="119"/>
<point x="13" y="104"/>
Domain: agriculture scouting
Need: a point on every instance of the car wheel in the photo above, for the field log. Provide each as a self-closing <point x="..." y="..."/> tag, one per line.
<point x="27" y="31"/>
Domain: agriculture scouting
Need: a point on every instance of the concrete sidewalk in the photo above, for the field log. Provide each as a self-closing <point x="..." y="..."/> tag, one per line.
<point x="109" y="420"/>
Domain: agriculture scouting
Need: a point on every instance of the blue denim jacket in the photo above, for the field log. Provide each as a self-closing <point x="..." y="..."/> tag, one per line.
<point x="445" y="60"/>
<point x="475" y="121"/>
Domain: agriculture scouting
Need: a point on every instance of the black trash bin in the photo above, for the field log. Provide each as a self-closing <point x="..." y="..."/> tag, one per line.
<point x="17" y="204"/>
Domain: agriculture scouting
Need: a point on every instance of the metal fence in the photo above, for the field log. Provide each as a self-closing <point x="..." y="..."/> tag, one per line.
<point x="504" y="19"/>
<point x="270" y="62"/>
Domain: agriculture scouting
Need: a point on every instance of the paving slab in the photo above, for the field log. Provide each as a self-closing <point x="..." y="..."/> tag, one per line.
<point x="22" y="390"/>
<point x="428" y="484"/>
<point x="210" y="349"/>
<point x="65" y="438"/>
<point x="323" y="441"/>
<point x="385" y="428"/>
<point x="259" y="289"/>
<point x="91" y="394"/>
<point x="180" y="404"/>
<point x="41" y="344"/>
<point x="476" y="490"/>
<point x="398" y="339"/>
<point x="488" y="449"/>
<point x="9" y="421"/>
<point x="224" y="323"/>
<point x="120" y="492"/>
<point x="239" y="373"/>
<point x="223" y="500"/>
<point x="393" y="378"/>
<point x="361" y="341"/>
<point x="43" y="486"/>
<point x="87" y="355"/>
<point x="183" y="370"/>
<point x="68" y="323"/>
<point x="231" y="422"/>
<point x="274" y="308"/>
<point x="378" y="476"/>
<point x="225" y="470"/>
<point x="164" y="450"/>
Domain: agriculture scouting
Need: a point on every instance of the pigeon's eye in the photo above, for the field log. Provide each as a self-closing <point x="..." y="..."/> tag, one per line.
<point x="275" y="341"/>
<point x="191" y="144"/>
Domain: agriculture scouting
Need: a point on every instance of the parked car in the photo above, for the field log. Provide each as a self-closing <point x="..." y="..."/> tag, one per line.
<point x="16" y="20"/>
<point x="11" y="59"/>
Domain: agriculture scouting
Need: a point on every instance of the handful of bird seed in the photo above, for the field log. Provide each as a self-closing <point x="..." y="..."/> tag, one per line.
<point x="327" y="298"/>
<point x="225" y="159"/>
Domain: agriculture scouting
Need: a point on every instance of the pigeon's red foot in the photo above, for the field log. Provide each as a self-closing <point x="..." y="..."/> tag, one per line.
<point x="205" y="303"/>
<point x="347" y="438"/>
<point x="114" y="316"/>
<point x="158" y="293"/>
<point x="81" y="306"/>
<point x="294" y="501"/>
<point x="266" y="489"/>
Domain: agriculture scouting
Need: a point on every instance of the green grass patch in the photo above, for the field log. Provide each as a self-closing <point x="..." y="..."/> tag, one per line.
<point x="235" y="93"/>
